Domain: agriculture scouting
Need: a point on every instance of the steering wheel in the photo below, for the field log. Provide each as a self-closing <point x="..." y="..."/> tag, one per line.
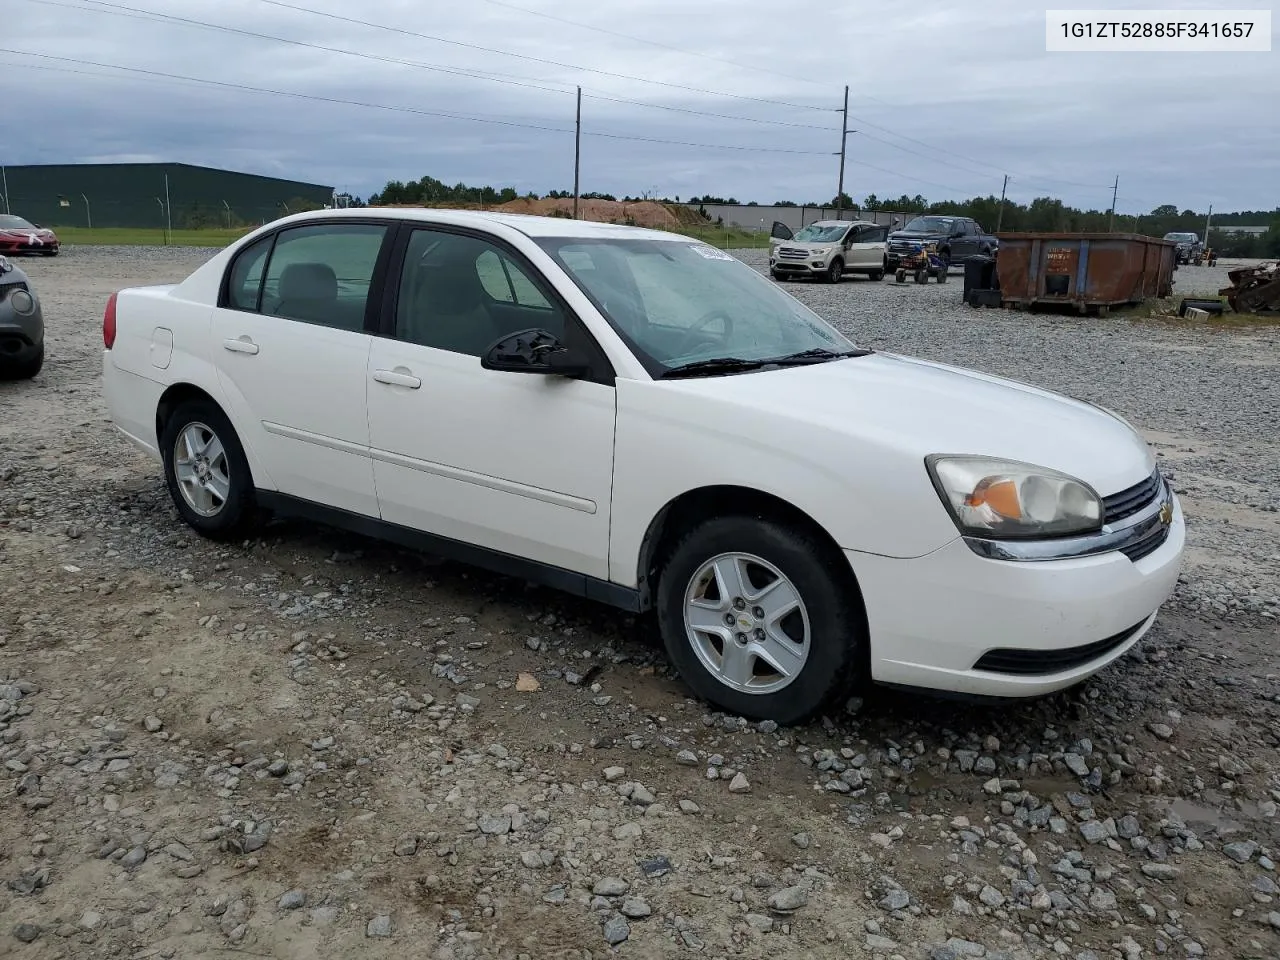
<point x="696" y="327"/>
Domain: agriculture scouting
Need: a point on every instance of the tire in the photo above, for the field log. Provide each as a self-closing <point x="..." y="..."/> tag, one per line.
<point x="900" y="275"/>
<point x="828" y="615"/>
<point x="876" y="275"/>
<point x="835" y="271"/>
<point x="776" y="275"/>
<point x="237" y="511"/>
<point x="922" y="276"/>
<point x="942" y="275"/>
<point x="22" y="369"/>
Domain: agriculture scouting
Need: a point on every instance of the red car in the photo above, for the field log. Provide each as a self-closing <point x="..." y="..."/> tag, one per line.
<point x="22" y="236"/>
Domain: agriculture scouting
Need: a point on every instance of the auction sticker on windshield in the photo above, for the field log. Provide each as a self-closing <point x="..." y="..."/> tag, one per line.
<point x="711" y="253"/>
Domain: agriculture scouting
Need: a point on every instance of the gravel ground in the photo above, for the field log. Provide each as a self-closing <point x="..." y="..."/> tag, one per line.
<point x="313" y="745"/>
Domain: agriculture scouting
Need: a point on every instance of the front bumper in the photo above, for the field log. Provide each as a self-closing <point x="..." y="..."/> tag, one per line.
<point x="8" y="246"/>
<point x="812" y="267"/>
<point x="959" y="622"/>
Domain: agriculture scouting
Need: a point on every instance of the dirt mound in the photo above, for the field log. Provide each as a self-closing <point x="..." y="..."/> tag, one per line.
<point x="644" y="213"/>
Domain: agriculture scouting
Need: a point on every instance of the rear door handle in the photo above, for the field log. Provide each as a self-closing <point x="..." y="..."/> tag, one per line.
<point x="399" y="377"/>
<point x="240" y="345"/>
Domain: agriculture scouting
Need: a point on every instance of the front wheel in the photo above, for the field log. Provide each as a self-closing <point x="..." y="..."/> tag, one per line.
<point x="206" y="471"/>
<point x="756" y="620"/>
<point x="835" y="272"/>
<point x="900" y="275"/>
<point x="876" y="275"/>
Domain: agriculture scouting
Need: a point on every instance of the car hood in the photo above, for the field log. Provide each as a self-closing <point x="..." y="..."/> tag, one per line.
<point x="38" y="231"/>
<point x="916" y="235"/>
<point x="918" y="407"/>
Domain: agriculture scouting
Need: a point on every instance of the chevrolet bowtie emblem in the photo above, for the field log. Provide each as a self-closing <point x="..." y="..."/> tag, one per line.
<point x="1166" y="512"/>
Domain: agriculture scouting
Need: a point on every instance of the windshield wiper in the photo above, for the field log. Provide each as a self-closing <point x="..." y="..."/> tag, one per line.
<point x="713" y="366"/>
<point x="815" y="355"/>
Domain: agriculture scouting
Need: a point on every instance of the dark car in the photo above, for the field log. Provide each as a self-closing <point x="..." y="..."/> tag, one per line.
<point x="958" y="238"/>
<point x="21" y="325"/>
<point x="23" y="236"/>
<point x="1189" y="246"/>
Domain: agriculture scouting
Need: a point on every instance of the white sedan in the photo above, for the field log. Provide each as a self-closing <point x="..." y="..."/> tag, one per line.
<point x="639" y="418"/>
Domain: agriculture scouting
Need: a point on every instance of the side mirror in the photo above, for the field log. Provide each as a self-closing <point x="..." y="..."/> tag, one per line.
<point x="534" y="351"/>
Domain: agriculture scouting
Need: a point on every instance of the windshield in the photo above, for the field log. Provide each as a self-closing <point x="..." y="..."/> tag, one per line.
<point x="1180" y="236"/>
<point x="815" y="233"/>
<point x="680" y="302"/>
<point x="930" y="225"/>
<point x="8" y="222"/>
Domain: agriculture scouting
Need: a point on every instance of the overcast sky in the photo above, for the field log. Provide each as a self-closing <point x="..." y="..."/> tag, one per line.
<point x="945" y="98"/>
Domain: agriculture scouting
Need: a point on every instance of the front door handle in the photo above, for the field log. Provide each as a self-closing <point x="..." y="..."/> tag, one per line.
<point x="240" y="345"/>
<point x="399" y="377"/>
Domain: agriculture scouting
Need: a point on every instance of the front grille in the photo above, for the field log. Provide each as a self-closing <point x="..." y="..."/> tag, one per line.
<point x="1144" y="548"/>
<point x="793" y="253"/>
<point x="1132" y="500"/>
<point x="1026" y="663"/>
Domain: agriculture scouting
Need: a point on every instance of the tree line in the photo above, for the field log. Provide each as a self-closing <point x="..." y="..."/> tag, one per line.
<point x="1043" y="214"/>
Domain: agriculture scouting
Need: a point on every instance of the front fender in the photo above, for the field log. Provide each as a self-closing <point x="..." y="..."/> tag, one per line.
<point x="867" y="493"/>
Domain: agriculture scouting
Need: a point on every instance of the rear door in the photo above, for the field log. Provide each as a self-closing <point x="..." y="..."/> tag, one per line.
<point x="292" y="338"/>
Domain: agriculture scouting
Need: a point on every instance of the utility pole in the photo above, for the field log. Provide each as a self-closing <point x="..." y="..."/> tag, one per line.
<point x="168" y="211"/>
<point x="1207" y="218"/>
<point x="1112" y="215"/>
<point x="88" y="216"/>
<point x="1000" y="216"/>
<point x="4" y="179"/>
<point x="844" y="135"/>
<point x="577" y="153"/>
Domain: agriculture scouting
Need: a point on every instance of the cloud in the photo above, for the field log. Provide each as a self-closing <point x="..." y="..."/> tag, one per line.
<point x="944" y="101"/>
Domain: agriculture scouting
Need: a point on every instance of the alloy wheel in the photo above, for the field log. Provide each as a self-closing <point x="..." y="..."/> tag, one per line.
<point x="747" y="623"/>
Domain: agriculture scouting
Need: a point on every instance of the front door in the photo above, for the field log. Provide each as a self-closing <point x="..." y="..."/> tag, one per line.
<point x="780" y="231"/>
<point x="292" y="354"/>
<point x="514" y="462"/>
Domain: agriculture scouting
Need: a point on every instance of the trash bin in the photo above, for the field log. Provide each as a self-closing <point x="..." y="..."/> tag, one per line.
<point x="979" y="274"/>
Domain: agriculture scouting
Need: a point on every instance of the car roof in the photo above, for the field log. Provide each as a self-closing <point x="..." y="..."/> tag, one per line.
<point x="529" y="224"/>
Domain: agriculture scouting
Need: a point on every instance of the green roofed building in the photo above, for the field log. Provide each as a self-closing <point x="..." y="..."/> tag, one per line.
<point x="134" y="195"/>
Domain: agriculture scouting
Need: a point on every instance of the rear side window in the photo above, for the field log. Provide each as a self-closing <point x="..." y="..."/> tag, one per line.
<point x="322" y="274"/>
<point x="245" y="281"/>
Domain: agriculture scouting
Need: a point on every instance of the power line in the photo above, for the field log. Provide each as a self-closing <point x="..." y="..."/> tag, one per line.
<point x="542" y="60"/>
<point x="157" y="74"/>
<point x="509" y="79"/>
<point x="652" y="43"/>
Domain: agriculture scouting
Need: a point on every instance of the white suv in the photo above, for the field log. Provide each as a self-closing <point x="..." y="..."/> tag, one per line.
<point x="828" y="249"/>
<point x="644" y="420"/>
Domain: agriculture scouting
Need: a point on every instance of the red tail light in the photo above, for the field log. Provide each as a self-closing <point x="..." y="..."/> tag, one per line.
<point x="109" y="323"/>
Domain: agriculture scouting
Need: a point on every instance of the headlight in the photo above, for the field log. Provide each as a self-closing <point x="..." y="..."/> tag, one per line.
<point x="1007" y="499"/>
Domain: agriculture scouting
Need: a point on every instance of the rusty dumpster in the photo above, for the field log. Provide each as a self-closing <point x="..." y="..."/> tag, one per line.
<point x="1083" y="271"/>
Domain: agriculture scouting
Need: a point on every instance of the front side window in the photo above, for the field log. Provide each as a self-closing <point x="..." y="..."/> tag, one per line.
<point x="462" y="293"/>
<point x="321" y="274"/>
<point x="680" y="302"/>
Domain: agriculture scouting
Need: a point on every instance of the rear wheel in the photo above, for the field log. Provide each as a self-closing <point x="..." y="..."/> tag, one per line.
<point x="756" y="620"/>
<point x="206" y="470"/>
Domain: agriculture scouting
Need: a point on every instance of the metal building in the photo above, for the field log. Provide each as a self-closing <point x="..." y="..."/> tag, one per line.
<point x="180" y="195"/>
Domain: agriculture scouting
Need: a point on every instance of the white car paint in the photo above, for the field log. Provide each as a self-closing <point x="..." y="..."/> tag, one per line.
<point x="572" y="474"/>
